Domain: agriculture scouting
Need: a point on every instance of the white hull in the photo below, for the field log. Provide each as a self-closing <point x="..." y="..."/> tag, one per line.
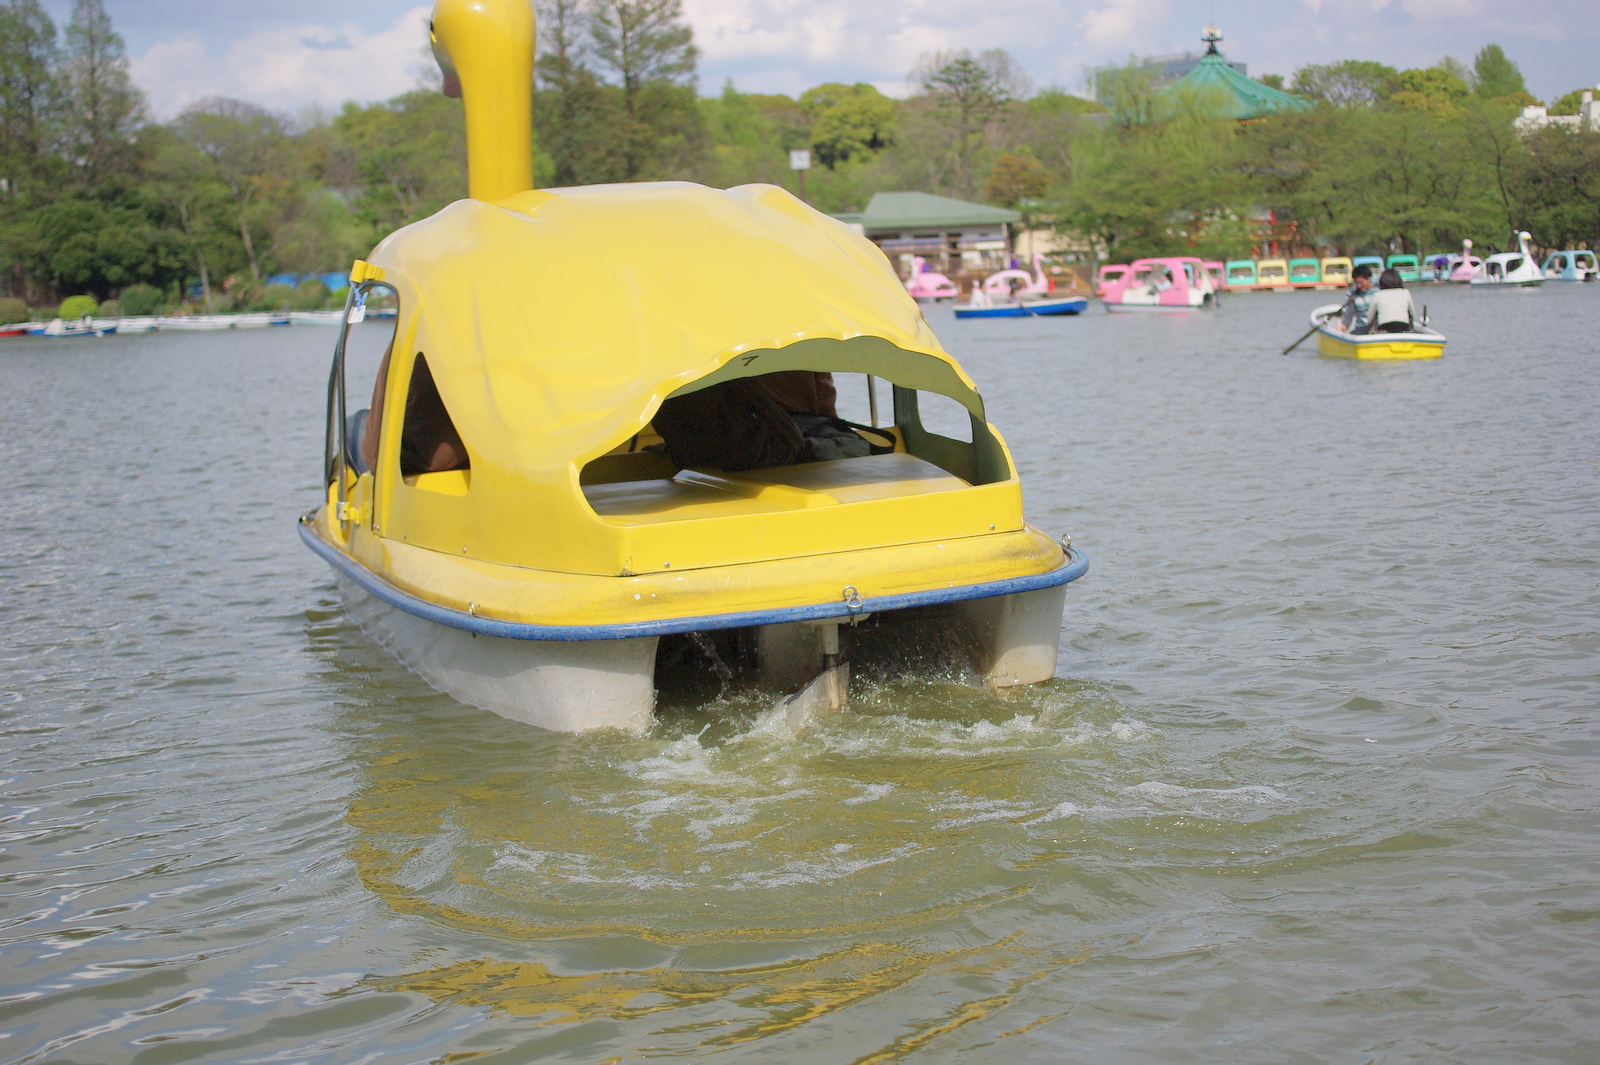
<point x="194" y="323"/>
<point x="561" y="685"/>
<point x="316" y="317"/>
<point x="259" y="320"/>
<point x="577" y="685"/>
<point x="1167" y="308"/>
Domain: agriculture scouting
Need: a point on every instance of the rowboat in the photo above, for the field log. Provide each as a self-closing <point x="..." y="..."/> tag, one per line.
<point x="596" y="432"/>
<point x="1422" y="343"/>
<point x="1025" y="308"/>
<point x="316" y="317"/>
<point x="259" y="320"/>
<point x="76" y="328"/>
<point x="192" y="323"/>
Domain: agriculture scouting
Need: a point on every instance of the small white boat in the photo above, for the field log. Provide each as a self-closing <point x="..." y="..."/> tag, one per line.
<point x="1516" y="268"/>
<point x="139" y="323"/>
<point x="316" y="317"/>
<point x="190" y="323"/>
<point x="260" y="319"/>
<point x="83" y="327"/>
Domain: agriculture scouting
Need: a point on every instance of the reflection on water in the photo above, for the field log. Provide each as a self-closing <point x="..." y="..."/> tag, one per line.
<point x="1316" y="781"/>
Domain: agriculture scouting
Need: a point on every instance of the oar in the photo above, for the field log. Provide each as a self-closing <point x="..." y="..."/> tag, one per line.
<point x="1315" y="327"/>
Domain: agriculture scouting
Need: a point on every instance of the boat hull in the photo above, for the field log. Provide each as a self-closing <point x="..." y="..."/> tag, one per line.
<point x="560" y="685"/>
<point x="1156" y="308"/>
<point x="1399" y="346"/>
<point x="575" y="678"/>
<point x="1027" y="309"/>
<point x="1373" y="346"/>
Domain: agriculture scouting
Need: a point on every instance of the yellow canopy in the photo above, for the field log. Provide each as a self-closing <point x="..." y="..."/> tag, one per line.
<point x="554" y="322"/>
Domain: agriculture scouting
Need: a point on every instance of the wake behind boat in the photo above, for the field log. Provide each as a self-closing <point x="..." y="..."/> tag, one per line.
<point x="1421" y="343"/>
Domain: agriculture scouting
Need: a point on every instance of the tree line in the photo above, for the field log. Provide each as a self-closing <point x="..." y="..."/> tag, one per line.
<point x="97" y="198"/>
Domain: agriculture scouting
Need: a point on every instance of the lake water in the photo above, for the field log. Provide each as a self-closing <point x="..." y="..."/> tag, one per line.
<point x="1317" y="781"/>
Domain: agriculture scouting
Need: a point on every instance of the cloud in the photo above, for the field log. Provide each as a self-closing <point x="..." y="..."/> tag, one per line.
<point x="286" y="54"/>
<point x="1123" y="23"/>
<point x="287" y="68"/>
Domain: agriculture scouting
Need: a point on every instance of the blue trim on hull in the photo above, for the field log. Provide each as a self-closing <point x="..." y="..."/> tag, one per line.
<point x="1026" y="309"/>
<point x="1075" y="567"/>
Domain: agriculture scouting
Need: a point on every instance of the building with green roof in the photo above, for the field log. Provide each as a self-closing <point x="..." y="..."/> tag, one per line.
<point x="952" y="235"/>
<point x="1238" y="96"/>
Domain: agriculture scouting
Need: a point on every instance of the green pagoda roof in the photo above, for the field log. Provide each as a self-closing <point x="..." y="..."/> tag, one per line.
<point x="1243" y="97"/>
<point x="913" y="210"/>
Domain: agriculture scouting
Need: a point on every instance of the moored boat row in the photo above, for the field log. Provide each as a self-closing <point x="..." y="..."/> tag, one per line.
<point x="176" y="323"/>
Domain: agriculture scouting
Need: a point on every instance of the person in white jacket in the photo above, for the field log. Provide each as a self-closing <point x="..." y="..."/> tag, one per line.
<point x="1392" y="308"/>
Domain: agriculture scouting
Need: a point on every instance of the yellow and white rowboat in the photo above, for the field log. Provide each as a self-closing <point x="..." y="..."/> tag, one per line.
<point x="1421" y="343"/>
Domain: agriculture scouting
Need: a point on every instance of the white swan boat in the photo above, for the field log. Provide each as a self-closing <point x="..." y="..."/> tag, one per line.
<point x="1518" y="268"/>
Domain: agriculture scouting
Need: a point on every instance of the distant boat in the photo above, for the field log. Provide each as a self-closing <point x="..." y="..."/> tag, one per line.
<point x="82" y="327"/>
<point x="139" y="323"/>
<point x="1514" y="268"/>
<point x="1025" y="308"/>
<point x="1571" y="266"/>
<point x="316" y="317"/>
<point x="1177" y="283"/>
<point x="190" y="323"/>
<point x="260" y="320"/>
<point x="925" y="284"/>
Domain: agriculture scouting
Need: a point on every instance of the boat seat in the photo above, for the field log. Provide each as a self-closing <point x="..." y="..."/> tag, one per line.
<point x="693" y="494"/>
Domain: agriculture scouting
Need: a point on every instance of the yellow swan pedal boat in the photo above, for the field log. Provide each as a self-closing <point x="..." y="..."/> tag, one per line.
<point x="1421" y="343"/>
<point x="508" y="516"/>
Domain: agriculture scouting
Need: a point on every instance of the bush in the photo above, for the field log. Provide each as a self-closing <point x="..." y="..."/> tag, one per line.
<point x="12" y="310"/>
<point x="274" y="298"/>
<point x="311" y="295"/>
<point x="74" y="307"/>
<point x="109" y="309"/>
<point x="141" y="299"/>
<point x="337" y="297"/>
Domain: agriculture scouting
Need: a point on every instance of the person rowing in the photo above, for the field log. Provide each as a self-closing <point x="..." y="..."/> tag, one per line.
<point x="1357" y="316"/>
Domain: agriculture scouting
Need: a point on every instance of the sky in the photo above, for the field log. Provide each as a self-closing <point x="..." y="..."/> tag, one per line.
<point x="293" y="54"/>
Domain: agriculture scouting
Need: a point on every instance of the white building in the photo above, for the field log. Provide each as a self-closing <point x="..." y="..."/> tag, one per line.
<point x="1538" y="117"/>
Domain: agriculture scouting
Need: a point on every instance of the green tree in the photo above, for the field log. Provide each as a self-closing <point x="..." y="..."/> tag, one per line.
<point x="102" y="109"/>
<point x="848" y="121"/>
<point x="1173" y="182"/>
<point x="649" y="50"/>
<point x="1495" y="75"/>
<point x="1568" y="103"/>
<point x="1352" y="83"/>
<point x="27" y="90"/>
<point x="967" y="93"/>
<point x="248" y="149"/>
<point x="92" y="246"/>
<point x="576" y="118"/>
<point x="409" y="154"/>
<point x="185" y="183"/>
<point x="1015" y="177"/>
<point x="1557" y="186"/>
<point x="1433" y="89"/>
